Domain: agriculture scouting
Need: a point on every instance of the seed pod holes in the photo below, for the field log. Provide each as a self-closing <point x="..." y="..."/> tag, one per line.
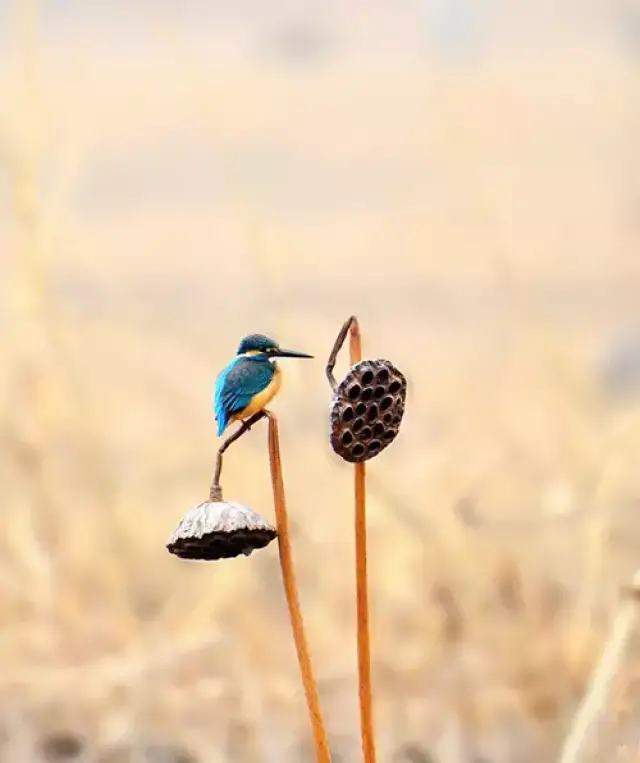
<point x="367" y="409"/>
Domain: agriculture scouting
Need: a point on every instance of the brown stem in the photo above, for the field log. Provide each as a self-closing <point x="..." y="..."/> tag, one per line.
<point x="215" y="493"/>
<point x="350" y="323"/>
<point x="323" y="753"/>
<point x="362" y="588"/>
<point x="352" y="328"/>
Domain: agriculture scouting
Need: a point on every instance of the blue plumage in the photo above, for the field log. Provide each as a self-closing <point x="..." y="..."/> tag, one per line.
<point x="238" y="383"/>
<point x="256" y="343"/>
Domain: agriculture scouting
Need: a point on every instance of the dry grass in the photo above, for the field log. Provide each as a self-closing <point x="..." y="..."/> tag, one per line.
<point x="476" y="224"/>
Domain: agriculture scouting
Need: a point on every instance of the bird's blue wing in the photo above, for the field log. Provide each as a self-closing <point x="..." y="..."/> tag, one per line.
<point x="236" y="386"/>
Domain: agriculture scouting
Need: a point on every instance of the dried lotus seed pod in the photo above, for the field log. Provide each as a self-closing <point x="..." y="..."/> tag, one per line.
<point x="218" y="529"/>
<point x="367" y="409"/>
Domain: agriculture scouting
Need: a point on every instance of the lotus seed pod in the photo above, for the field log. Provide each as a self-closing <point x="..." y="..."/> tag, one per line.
<point x="367" y="409"/>
<point x="218" y="529"/>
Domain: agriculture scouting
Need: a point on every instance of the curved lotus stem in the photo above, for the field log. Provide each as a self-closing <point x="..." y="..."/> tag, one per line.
<point x="216" y="490"/>
<point x="352" y="328"/>
<point x="323" y="753"/>
<point x="362" y="588"/>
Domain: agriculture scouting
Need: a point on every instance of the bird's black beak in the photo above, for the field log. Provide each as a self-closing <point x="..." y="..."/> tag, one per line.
<point x="291" y="354"/>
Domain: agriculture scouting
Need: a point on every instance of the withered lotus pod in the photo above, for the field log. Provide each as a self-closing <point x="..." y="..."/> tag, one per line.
<point x="367" y="409"/>
<point x="218" y="529"/>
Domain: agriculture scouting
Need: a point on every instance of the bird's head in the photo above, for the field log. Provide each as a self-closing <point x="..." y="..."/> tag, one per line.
<point x="261" y="345"/>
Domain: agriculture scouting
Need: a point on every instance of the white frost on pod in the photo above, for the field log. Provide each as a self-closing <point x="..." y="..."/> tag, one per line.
<point x="220" y="530"/>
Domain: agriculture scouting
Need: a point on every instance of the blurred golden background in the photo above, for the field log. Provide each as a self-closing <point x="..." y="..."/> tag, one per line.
<point x="461" y="175"/>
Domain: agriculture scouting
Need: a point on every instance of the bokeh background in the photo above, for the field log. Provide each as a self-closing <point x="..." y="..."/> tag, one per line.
<point x="463" y="175"/>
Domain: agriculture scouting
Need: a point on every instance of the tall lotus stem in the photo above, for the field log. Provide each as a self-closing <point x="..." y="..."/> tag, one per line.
<point x="323" y="753"/>
<point x="362" y="586"/>
<point x="364" y="419"/>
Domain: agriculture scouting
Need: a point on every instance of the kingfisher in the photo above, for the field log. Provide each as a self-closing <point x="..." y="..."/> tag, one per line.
<point x="251" y="381"/>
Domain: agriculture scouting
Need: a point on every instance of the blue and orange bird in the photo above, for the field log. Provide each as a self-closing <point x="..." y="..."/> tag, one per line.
<point x="250" y="382"/>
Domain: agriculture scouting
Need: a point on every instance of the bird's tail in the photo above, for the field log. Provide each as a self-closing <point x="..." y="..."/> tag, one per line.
<point x="222" y="424"/>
